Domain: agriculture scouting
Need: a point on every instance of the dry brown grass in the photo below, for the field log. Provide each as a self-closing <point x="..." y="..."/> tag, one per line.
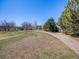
<point x="42" y="46"/>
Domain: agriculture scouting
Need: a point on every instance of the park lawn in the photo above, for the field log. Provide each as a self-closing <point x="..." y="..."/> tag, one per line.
<point x="34" y="46"/>
<point x="10" y="37"/>
<point x="59" y="51"/>
<point x="5" y="35"/>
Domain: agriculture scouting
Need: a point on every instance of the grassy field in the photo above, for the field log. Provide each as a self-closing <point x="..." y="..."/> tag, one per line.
<point x="34" y="46"/>
<point x="10" y="37"/>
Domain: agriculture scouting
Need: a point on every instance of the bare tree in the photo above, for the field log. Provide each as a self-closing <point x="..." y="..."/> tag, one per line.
<point x="26" y="26"/>
<point x="11" y="26"/>
<point x="7" y="26"/>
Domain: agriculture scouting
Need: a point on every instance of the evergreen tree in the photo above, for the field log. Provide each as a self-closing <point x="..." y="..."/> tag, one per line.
<point x="69" y="20"/>
<point x="50" y="25"/>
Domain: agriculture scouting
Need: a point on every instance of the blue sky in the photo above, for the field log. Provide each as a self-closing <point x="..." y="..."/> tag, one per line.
<point x="31" y="10"/>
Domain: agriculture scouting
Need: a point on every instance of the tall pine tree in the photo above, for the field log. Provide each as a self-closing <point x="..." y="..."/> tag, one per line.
<point x="69" y="20"/>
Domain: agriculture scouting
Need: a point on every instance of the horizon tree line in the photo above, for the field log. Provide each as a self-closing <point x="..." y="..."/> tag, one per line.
<point x="11" y="26"/>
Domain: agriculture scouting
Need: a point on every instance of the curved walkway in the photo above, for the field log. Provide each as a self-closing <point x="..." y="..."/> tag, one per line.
<point x="71" y="43"/>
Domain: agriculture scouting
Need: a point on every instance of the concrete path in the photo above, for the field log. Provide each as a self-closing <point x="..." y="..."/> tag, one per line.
<point x="73" y="44"/>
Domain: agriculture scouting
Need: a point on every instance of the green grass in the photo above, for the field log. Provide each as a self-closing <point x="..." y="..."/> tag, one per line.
<point x="10" y="37"/>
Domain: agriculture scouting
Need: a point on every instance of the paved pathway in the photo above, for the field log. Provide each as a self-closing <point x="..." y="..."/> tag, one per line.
<point x="73" y="44"/>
